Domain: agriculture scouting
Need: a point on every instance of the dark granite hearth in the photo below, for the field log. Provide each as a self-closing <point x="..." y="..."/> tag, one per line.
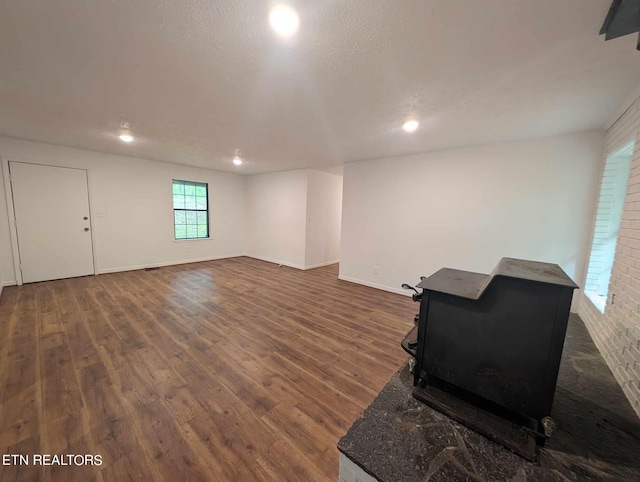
<point x="399" y="438"/>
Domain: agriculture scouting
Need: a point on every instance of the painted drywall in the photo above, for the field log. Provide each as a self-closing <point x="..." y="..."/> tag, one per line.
<point x="276" y="213"/>
<point x="324" y="213"/>
<point x="467" y="208"/>
<point x="6" y="257"/>
<point x="293" y="217"/>
<point x="616" y="332"/>
<point x="1" y="285"/>
<point x="131" y="208"/>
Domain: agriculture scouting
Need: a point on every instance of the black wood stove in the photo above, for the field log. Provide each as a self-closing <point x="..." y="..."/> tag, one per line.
<point x="487" y="347"/>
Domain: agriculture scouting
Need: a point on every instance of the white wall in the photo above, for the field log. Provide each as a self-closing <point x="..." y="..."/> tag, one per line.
<point x="467" y="208"/>
<point x="324" y="213"/>
<point x="293" y="217"/>
<point x="276" y="217"/>
<point x="6" y="257"/>
<point x="131" y="208"/>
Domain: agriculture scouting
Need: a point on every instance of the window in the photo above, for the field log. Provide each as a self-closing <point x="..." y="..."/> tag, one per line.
<point x="190" y="210"/>
<point x="607" y="225"/>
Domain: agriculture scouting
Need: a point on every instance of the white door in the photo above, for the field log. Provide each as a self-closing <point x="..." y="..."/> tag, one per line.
<point x="51" y="206"/>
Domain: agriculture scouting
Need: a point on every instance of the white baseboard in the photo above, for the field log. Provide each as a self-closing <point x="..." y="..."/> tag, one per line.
<point x="275" y="261"/>
<point x="391" y="289"/>
<point x="401" y="291"/>
<point x="291" y="265"/>
<point x="166" y="263"/>
<point x="320" y="265"/>
<point x="9" y="283"/>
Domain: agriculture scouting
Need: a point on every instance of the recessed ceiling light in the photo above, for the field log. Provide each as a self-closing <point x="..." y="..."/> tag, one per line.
<point x="410" y="126"/>
<point x="237" y="161"/>
<point x="284" y="20"/>
<point x="126" y="138"/>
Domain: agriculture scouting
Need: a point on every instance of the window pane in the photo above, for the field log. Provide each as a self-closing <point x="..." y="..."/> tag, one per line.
<point x="608" y="219"/>
<point x="192" y="217"/>
<point x="192" y="231"/>
<point x="178" y="187"/>
<point x="190" y="202"/>
<point x="179" y="217"/>
<point x="178" y="201"/>
<point x="181" y="232"/>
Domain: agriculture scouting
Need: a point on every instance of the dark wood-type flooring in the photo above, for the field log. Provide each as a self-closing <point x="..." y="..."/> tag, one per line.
<point x="225" y="370"/>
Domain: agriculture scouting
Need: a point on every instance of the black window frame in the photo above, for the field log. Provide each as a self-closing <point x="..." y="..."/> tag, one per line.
<point x="195" y="184"/>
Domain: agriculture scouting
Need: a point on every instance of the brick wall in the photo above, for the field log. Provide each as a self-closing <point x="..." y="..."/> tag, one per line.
<point x="617" y="332"/>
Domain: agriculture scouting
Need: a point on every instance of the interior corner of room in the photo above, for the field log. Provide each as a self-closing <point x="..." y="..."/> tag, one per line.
<point x="389" y="140"/>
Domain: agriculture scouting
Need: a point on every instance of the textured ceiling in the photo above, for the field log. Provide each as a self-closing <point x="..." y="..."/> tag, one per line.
<point x="198" y="79"/>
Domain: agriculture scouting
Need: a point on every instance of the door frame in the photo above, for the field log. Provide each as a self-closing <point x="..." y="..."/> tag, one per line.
<point x="11" y="216"/>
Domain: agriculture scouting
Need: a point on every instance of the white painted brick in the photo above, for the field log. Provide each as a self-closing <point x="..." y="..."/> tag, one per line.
<point x="616" y="333"/>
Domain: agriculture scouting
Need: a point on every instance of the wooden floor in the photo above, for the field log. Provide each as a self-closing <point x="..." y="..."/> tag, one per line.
<point x="225" y="370"/>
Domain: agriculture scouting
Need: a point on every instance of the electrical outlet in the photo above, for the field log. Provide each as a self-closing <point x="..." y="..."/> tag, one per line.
<point x="375" y="269"/>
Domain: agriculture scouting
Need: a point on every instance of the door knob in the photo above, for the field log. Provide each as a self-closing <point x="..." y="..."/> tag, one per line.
<point x="85" y="218"/>
<point x="86" y="229"/>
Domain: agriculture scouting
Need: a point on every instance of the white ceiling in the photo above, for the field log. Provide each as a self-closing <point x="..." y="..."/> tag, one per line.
<point x="198" y="79"/>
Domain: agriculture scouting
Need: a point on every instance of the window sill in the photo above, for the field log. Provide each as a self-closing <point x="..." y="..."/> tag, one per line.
<point x="597" y="300"/>
<point x="191" y="239"/>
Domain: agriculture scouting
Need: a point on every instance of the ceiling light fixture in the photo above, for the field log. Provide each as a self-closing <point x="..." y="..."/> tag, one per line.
<point x="126" y="138"/>
<point x="410" y="126"/>
<point x="236" y="159"/>
<point x="284" y="20"/>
